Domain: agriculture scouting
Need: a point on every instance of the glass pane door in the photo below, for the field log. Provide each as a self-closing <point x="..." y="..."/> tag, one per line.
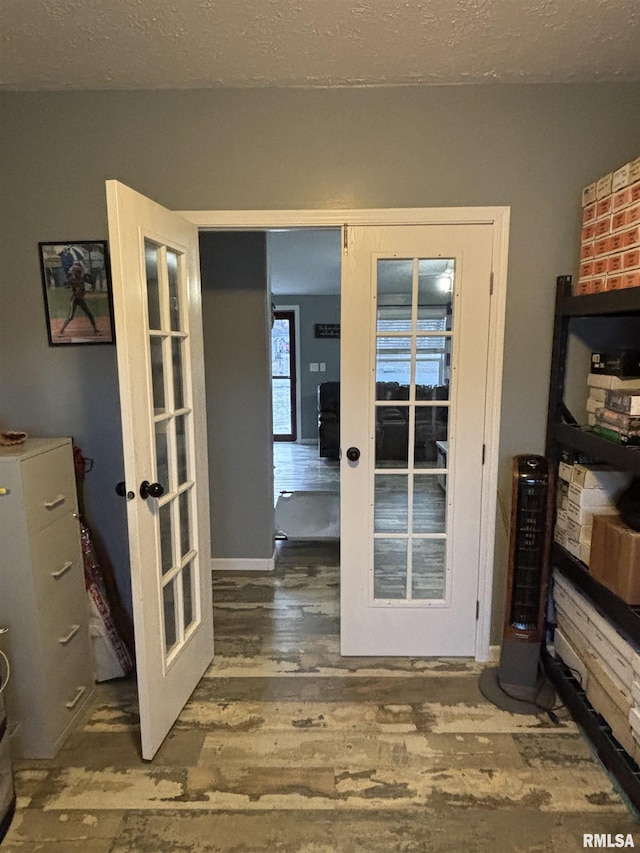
<point x="283" y="375"/>
<point x="414" y="328"/>
<point x="173" y="428"/>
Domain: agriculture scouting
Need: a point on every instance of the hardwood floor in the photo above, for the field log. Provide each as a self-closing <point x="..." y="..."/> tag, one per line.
<point x="287" y="747"/>
<point x="299" y="467"/>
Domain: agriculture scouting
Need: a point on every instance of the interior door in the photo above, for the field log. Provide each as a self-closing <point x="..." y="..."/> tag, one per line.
<point x="158" y="319"/>
<point x="415" y="321"/>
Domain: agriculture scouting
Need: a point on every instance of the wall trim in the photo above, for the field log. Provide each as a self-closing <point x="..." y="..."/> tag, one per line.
<point x="499" y="219"/>
<point x="242" y="564"/>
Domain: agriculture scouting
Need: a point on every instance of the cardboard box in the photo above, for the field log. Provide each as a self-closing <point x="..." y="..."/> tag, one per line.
<point x="621" y="199"/>
<point x="589" y="212"/>
<point x="586" y="251"/>
<point x="603" y="186"/>
<point x="600" y="266"/>
<point x="598" y="394"/>
<point x="584" y="515"/>
<point x="616" y="242"/>
<point x="564" y="471"/>
<point x="599" y="284"/>
<point x="590" y="497"/>
<point x="596" y="380"/>
<point x="634" y="193"/>
<point x="586" y="270"/>
<point x="630" y="279"/>
<point x="625" y="402"/>
<point x="634" y="170"/>
<point x="601" y="246"/>
<point x="585" y="552"/>
<point x="630" y="237"/>
<point x="615" y="557"/>
<point x="632" y="215"/>
<point x="614" y="265"/>
<point x="624" y="364"/>
<point x="631" y="259"/>
<point x="599" y="477"/>
<point x="589" y="231"/>
<point x="583" y="287"/>
<point x="614" y="282"/>
<point x="619" y="220"/>
<point x="589" y="194"/>
<point x="621" y="177"/>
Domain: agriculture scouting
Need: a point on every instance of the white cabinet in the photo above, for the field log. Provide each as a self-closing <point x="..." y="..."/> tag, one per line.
<point x="42" y="595"/>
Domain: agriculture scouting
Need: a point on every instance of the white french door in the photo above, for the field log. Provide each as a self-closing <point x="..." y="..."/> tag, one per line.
<point x="158" y="320"/>
<point x="415" y="346"/>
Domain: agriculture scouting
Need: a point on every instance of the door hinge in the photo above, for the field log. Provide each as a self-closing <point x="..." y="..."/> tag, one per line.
<point x="477" y="610"/>
<point x="345" y="239"/>
<point x="491" y="284"/>
<point x="484" y="449"/>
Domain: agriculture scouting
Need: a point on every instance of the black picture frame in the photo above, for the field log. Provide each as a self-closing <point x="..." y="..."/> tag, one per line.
<point x="76" y="284"/>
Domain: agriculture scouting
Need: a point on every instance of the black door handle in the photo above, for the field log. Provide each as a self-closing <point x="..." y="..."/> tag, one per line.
<point x="150" y="490"/>
<point x="353" y="454"/>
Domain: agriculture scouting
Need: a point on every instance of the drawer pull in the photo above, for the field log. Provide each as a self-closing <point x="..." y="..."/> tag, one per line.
<point x="79" y="694"/>
<point x="64" y="640"/>
<point x="54" y="502"/>
<point x="64" y="568"/>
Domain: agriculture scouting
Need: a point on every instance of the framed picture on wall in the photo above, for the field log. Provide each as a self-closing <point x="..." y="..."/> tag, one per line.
<point x="77" y="292"/>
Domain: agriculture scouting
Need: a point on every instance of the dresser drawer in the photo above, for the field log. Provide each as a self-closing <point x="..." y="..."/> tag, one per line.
<point x="49" y="487"/>
<point x="56" y="559"/>
<point x="63" y="629"/>
<point x="69" y="692"/>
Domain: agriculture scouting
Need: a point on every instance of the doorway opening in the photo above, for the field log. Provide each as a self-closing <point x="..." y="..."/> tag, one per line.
<point x="304" y="275"/>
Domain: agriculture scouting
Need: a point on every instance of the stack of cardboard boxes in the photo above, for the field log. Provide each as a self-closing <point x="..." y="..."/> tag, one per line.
<point x="604" y="661"/>
<point x="585" y="491"/>
<point x="610" y="238"/>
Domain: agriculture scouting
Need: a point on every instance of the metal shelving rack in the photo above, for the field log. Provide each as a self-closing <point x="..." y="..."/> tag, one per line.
<point x="621" y="303"/>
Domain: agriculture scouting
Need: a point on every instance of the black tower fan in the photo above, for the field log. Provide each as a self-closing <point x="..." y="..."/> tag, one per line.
<point x="518" y="684"/>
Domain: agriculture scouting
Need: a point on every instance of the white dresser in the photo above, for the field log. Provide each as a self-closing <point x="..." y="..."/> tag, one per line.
<point x="42" y="595"/>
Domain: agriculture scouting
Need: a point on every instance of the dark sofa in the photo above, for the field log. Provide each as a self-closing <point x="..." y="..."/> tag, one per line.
<point x="392" y="421"/>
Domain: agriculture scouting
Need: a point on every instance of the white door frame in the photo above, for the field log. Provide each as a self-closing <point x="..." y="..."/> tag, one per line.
<point x="498" y="218"/>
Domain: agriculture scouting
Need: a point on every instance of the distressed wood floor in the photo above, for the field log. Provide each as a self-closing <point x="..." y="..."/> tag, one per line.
<point x="285" y="747"/>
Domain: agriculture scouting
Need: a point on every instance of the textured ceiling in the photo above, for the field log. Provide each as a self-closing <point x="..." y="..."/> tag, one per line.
<point x="159" y="44"/>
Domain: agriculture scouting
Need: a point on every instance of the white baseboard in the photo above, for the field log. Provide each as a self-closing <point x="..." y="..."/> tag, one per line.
<point x="240" y="564"/>
<point x="494" y="654"/>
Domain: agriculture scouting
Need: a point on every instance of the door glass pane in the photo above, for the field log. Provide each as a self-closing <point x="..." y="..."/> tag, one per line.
<point x="390" y="568"/>
<point x="162" y="454"/>
<point x="176" y="353"/>
<point x="435" y="293"/>
<point x="169" y="606"/>
<point x="428" y="572"/>
<point x="174" y="296"/>
<point x="166" y="539"/>
<point x="392" y="435"/>
<point x="394" y="293"/>
<point x="185" y="523"/>
<point x="187" y="595"/>
<point x="153" y="288"/>
<point x="157" y="374"/>
<point x="181" y="448"/>
<point x="393" y="367"/>
<point x="432" y="426"/>
<point x="432" y="363"/>
<point x="429" y="503"/>
<point x="391" y="503"/>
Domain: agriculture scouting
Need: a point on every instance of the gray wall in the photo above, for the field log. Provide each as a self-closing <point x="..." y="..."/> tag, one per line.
<point x="314" y="309"/>
<point x="236" y="320"/>
<point x="530" y="147"/>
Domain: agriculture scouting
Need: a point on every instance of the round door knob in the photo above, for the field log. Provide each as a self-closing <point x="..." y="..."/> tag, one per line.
<point x="353" y="454"/>
<point x="150" y="490"/>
